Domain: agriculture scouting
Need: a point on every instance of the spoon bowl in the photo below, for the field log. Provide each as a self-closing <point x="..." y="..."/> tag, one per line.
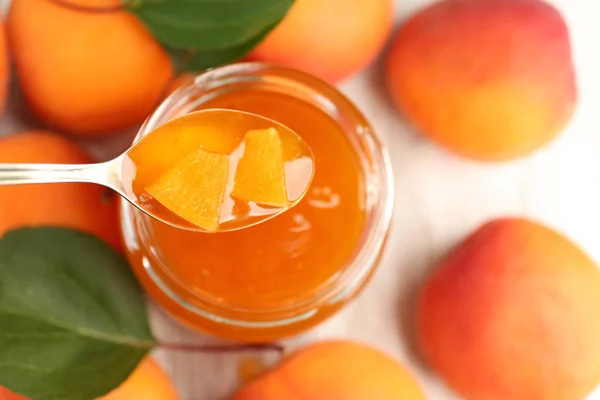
<point x="220" y="131"/>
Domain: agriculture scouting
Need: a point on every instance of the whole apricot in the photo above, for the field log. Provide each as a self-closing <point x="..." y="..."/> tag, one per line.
<point x="334" y="370"/>
<point x="83" y="206"/>
<point x="512" y="313"/>
<point x="332" y="39"/>
<point x="147" y="382"/>
<point x="489" y="80"/>
<point x="86" y="72"/>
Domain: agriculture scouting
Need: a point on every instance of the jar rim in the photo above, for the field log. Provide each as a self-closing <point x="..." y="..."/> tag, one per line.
<point x="378" y="188"/>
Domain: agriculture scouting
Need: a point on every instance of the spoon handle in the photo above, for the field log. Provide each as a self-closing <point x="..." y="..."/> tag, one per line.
<point x="18" y="174"/>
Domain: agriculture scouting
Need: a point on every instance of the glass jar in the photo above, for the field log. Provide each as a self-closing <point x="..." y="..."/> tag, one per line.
<point x="277" y="280"/>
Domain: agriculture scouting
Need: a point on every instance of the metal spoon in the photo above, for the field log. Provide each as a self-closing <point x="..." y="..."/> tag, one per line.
<point x="117" y="175"/>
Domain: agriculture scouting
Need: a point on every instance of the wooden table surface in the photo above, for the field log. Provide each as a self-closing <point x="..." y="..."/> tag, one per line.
<point x="439" y="199"/>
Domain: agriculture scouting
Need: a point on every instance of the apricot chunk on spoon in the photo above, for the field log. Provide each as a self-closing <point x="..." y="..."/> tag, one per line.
<point x="194" y="188"/>
<point x="260" y="175"/>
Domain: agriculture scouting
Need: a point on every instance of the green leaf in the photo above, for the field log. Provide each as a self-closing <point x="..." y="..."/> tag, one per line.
<point x="204" y="25"/>
<point x="73" y="320"/>
<point x="212" y="58"/>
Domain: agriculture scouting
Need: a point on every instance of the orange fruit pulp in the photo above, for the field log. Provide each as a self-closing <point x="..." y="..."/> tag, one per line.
<point x="281" y="261"/>
<point x="218" y="170"/>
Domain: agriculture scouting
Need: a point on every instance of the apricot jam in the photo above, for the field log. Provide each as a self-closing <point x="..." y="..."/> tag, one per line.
<point x="285" y="275"/>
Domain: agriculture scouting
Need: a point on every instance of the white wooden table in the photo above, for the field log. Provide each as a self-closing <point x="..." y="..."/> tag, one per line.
<point x="439" y="199"/>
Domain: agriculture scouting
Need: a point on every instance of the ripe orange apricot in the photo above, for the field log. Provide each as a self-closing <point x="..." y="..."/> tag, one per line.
<point x="86" y="72"/>
<point x="148" y="382"/>
<point x="4" y="68"/>
<point x="335" y="370"/>
<point x="87" y="207"/>
<point x="490" y="80"/>
<point x="512" y="313"/>
<point x="332" y="39"/>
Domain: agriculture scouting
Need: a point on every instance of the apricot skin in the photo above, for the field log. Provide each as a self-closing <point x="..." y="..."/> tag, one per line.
<point x="512" y="313"/>
<point x="335" y="370"/>
<point x="5" y="394"/>
<point x="83" y="206"/>
<point x="147" y="382"/>
<point x="489" y="80"/>
<point x="332" y="39"/>
<point x="84" y="72"/>
<point x="4" y="68"/>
